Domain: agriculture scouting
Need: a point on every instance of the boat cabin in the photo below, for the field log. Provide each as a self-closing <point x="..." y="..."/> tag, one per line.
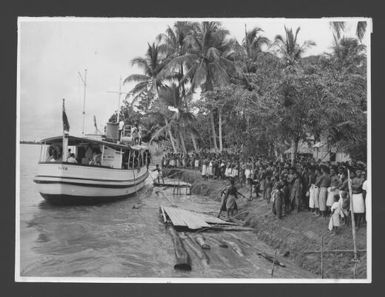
<point x="93" y="152"/>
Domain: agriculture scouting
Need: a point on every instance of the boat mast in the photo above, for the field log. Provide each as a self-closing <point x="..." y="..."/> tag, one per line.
<point x="120" y="93"/>
<point x="84" y="80"/>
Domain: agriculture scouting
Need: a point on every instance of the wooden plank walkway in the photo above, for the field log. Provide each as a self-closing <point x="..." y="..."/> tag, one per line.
<point x="172" y="184"/>
<point x="183" y="218"/>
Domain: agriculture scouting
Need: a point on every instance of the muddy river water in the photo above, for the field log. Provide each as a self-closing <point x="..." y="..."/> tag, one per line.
<point x="118" y="240"/>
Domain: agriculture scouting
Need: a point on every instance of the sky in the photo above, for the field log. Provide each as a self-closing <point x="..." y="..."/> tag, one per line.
<point x="53" y="51"/>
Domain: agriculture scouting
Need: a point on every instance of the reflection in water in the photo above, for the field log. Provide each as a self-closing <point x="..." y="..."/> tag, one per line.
<point x="120" y="240"/>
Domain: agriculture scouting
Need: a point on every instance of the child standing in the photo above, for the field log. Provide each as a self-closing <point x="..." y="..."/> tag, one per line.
<point x="336" y="213"/>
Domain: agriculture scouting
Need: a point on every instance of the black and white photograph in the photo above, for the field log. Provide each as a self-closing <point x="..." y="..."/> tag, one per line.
<point x="193" y="150"/>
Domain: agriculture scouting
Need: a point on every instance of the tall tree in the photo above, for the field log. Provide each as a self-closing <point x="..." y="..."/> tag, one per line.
<point x="147" y="83"/>
<point x="291" y="52"/>
<point x="172" y="44"/>
<point x="182" y="119"/>
<point x="253" y="44"/>
<point x="208" y="60"/>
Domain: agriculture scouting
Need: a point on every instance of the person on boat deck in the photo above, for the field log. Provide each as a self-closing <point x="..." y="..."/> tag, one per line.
<point x="160" y="174"/>
<point x="87" y="156"/>
<point x="96" y="159"/>
<point x="228" y="202"/>
<point x="52" y="154"/>
<point x="121" y="127"/>
<point x="71" y="158"/>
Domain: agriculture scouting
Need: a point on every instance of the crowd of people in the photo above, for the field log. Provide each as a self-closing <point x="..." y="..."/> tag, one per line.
<point x="310" y="185"/>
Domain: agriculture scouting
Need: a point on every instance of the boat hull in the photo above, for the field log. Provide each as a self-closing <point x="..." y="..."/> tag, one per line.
<point x="63" y="183"/>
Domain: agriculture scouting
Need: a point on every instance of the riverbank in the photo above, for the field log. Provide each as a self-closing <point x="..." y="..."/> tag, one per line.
<point x="294" y="235"/>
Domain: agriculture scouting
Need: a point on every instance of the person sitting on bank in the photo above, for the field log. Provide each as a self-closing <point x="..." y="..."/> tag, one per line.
<point x="160" y="174"/>
<point x="71" y="158"/>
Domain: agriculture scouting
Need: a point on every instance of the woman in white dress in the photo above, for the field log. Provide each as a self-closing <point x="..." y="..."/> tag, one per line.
<point x="228" y="170"/>
<point x="332" y="190"/>
<point x="312" y="191"/>
<point x="210" y="169"/>
<point x="196" y="163"/>
<point x="367" y="197"/>
<point x="234" y="172"/>
<point x="204" y="168"/>
<point x="358" y="204"/>
<point x="248" y="172"/>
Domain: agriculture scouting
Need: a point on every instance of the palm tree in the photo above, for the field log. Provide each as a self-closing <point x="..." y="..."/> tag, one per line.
<point x="182" y="119"/>
<point x="291" y="52"/>
<point x="339" y="27"/>
<point x="149" y="82"/>
<point x="348" y="54"/>
<point x="252" y="44"/>
<point x="288" y="47"/>
<point x="163" y="118"/>
<point x="171" y="43"/>
<point x="208" y="60"/>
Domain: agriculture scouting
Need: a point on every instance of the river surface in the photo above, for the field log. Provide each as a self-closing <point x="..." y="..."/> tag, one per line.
<point x="117" y="240"/>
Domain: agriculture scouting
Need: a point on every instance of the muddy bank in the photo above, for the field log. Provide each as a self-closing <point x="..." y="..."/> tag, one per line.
<point x="293" y="235"/>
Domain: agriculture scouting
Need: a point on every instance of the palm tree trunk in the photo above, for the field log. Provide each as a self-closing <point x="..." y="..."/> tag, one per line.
<point x="213" y="130"/>
<point x="294" y="149"/>
<point x="194" y="142"/>
<point x="220" y="129"/>
<point x="182" y="141"/>
<point x="171" y="137"/>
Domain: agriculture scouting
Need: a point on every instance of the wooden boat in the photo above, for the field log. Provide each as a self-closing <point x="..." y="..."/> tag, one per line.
<point x="102" y="170"/>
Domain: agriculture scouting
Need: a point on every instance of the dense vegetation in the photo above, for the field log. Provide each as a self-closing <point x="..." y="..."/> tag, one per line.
<point x="200" y="89"/>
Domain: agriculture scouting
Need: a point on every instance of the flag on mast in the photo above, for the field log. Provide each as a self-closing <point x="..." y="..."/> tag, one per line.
<point x="66" y="124"/>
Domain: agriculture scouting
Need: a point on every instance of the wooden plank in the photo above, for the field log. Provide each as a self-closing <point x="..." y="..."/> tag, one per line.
<point x="163" y="214"/>
<point x="174" y="216"/>
<point x="192" y="220"/>
<point x="155" y="184"/>
<point x="183" y="260"/>
<point x="214" y="220"/>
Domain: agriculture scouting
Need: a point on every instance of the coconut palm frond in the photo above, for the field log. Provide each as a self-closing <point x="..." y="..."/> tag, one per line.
<point x="200" y="75"/>
<point x="338" y="28"/>
<point x="361" y="29"/>
<point x="213" y="53"/>
<point x="141" y="63"/>
<point x="159" y="132"/>
<point x="136" y="77"/>
<point x="138" y="88"/>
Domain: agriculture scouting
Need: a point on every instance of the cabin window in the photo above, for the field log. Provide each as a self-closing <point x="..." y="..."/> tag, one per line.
<point x="51" y="153"/>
